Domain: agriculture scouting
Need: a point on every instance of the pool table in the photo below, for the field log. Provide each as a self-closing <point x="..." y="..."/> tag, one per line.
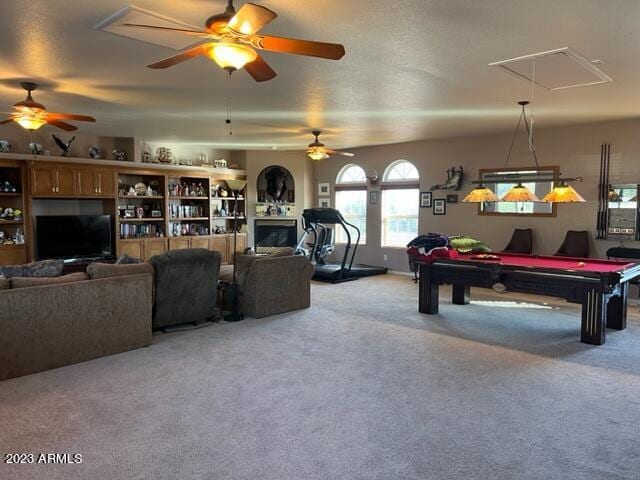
<point x="601" y="286"/>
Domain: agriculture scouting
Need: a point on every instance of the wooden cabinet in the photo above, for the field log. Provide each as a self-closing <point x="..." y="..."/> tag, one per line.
<point x="218" y="243"/>
<point x="87" y="182"/>
<point x="153" y="246"/>
<point x="106" y="182"/>
<point x="13" y="254"/>
<point x="70" y="181"/>
<point x="143" y="248"/>
<point x="133" y="248"/>
<point x="95" y="182"/>
<point x="177" y="243"/>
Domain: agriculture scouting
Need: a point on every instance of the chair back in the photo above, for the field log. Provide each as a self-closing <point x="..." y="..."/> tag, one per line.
<point x="576" y="244"/>
<point x="624" y="253"/>
<point x="521" y="241"/>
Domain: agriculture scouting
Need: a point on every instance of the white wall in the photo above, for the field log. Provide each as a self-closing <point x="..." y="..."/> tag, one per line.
<point x="576" y="149"/>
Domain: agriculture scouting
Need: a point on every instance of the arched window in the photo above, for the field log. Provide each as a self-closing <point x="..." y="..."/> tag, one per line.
<point x="351" y="200"/>
<point x="400" y="204"/>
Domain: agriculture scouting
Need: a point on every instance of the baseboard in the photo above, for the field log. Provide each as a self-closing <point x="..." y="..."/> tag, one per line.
<point x="396" y="272"/>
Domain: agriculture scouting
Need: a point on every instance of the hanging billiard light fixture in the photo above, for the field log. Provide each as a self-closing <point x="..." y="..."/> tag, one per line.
<point x="563" y="193"/>
<point x="480" y="194"/>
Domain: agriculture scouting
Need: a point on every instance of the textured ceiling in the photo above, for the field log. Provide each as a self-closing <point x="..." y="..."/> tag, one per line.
<point x="414" y="69"/>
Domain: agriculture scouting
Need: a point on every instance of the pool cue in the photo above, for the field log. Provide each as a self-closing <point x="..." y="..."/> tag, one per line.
<point x="600" y="195"/>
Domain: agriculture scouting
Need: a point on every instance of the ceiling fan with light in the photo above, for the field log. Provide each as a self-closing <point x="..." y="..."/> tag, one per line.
<point x="32" y="115"/>
<point x="231" y="40"/>
<point x="318" y="150"/>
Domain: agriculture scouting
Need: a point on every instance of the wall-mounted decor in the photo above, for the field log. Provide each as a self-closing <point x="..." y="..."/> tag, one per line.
<point x="425" y="199"/>
<point x="323" y="188"/>
<point x="324" y="202"/>
<point x="439" y="206"/>
<point x="452" y="198"/>
<point x="278" y="185"/>
<point x="455" y="177"/>
<point x="373" y="197"/>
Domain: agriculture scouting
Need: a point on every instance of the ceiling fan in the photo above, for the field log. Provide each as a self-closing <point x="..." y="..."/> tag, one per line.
<point x="32" y="115"/>
<point x="231" y="40"/>
<point x="318" y="150"/>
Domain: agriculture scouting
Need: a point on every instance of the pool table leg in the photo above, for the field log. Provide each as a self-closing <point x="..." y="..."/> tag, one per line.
<point x="460" y="294"/>
<point x="594" y="313"/>
<point x="429" y="293"/>
<point x="617" y="309"/>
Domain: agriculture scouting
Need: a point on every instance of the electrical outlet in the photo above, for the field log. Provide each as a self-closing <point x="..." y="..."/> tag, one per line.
<point x="385" y="257"/>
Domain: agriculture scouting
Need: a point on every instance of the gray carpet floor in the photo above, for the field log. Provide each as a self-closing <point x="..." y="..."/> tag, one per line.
<point x="360" y="386"/>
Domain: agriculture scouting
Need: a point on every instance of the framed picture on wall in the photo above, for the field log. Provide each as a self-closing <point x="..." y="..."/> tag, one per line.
<point x="425" y="199"/>
<point x="323" y="189"/>
<point x="373" y="197"/>
<point x="440" y="206"/>
<point x="452" y="198"/>
<point x="324" y="202"/>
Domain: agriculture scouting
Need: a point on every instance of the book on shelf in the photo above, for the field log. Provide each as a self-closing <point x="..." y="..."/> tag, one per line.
<point x="132" y="231"/>
<point x="186" y="211"/>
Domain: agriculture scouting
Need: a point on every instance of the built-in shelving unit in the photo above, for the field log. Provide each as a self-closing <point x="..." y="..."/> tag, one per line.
<point x="13" y="247"/>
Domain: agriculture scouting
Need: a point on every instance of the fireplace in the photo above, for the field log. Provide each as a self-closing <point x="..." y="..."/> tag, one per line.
<point x="272" y="235"/>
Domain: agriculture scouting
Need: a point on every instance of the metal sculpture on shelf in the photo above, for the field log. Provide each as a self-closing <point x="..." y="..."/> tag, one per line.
<point x="455" y="177"/>
<point x="63" y="146"/>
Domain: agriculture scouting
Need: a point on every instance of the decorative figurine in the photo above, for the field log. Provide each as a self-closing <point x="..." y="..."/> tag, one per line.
<point x="164" y="155"/>
<point x="131" y="192"/>
<point x="95" y="153"/>
<point x="146" y="157"/>
<point x="454" y="180"/>
<point x="119" y="156"/>
<point x="63" y="146"/>
<point x="35" y="148"/>
<point x="140" y="188"/>
<point x="149" y="191"/>
<point x="221" y="163"/>
<point x="5" y="146"/>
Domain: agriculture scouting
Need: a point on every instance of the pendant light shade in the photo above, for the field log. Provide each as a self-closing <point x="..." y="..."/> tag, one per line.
<point x="563" y="193"/>
<point x="520" y="193"/>
<point x="480" y="194"/>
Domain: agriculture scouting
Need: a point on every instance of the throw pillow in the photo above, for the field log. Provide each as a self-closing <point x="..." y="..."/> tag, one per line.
<point x="106" y="270"/>
<point x="466" y="244"/>
<point x="44" y="268"/>
<point x="127" y="260"/>
<point x="5" y="284"/>
<point x="26" y="282"/>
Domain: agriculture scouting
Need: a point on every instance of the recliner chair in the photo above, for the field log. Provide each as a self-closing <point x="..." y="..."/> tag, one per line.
<point x="186" y="284"/>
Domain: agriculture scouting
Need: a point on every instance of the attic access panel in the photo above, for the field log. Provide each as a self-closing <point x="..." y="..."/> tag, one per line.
<point x="555" y="69"/>
<point x="132" y="14"/>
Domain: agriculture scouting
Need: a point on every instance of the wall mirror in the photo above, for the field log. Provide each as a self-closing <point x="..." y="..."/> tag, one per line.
<point x="622" y="205"/>
<point x="540" y="188"/>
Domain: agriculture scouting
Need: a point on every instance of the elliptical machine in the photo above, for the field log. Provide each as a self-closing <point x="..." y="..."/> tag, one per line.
<point x="316" y="222"/>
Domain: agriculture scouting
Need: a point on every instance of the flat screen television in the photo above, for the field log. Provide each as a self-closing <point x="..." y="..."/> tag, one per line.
<point x="74" y="236"/>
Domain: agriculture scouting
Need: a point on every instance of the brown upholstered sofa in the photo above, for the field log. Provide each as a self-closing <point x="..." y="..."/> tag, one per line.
<point x="48" y="323"/>
<point x="271" y="284"/>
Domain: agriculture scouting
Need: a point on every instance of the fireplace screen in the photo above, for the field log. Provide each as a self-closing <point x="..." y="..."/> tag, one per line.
<point x="272" y="235"/>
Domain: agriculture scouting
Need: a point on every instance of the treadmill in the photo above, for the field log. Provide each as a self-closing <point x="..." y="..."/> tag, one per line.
<point x="318" y="222"/>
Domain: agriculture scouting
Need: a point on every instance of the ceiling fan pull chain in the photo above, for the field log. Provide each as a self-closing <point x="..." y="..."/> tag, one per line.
<point x="228" y="120"/>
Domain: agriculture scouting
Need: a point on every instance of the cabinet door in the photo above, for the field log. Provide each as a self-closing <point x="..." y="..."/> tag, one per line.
<point x="43" y="181"/>
<point x="155" y="246"/>
<point x="218" y="243"/>
<point x="200" y="242"/>
<point x="133" y="248"/>
<point x="13" y="254"/>
<point x="178" y="243"/>
<point x="87" y="185"/>
<point x="106" y="180"/>
<point x="65" y="181"/>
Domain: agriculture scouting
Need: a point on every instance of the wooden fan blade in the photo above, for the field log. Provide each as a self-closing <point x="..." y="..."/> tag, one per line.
<point x="69" y="116"/>
<point x="336" y="152"/>
<point x="181" y="57"/>
<point x="260" y="70"/>
<point x="332" y="51"/>
<point x="9" y="120"/>
<point x="250" y="19"/>
<point x="62" y="125"/>
<point x="195" y="33"/>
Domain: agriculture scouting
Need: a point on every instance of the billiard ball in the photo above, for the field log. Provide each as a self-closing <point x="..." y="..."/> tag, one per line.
<point x="581" y="264"/>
